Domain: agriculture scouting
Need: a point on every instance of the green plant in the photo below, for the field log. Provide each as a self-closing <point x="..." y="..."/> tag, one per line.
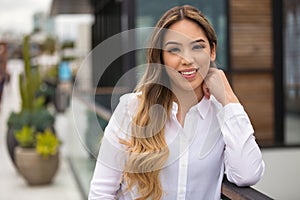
<point x="29" y="83"/>
<point x="51" y="73"/>
<point x="39" y="119"/>
<point x="18" y="120"/>
<point x="33" y="118"/>
<point x="49" y="45"/>
<point x="25" y="137"/>
<point x="68" y="44"/>
<point x="33" y="111"/>
<point x="47" y="143"/>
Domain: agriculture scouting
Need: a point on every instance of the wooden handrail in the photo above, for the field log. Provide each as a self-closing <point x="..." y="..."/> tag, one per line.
<point x="231" y="191"/>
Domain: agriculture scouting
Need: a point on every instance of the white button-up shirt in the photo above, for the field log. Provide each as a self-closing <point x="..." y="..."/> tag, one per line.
<point x="214" y="140"/>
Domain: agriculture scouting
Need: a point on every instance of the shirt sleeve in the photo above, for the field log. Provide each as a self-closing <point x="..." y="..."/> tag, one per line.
<point x="107" y="176"/>
<point x="243" y="161"/>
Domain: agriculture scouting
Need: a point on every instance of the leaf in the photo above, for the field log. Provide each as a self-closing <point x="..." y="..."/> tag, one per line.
<point x="25" y="137"/>
<point x="47" y="143"/>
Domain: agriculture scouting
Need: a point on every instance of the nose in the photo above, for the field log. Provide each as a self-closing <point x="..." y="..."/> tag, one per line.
<point x="186" y="59"/>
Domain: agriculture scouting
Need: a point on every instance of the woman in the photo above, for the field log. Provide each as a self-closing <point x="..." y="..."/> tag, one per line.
<point x="183" y="127"/>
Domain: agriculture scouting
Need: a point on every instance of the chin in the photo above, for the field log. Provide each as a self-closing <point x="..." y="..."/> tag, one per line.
<point x="188" y="87"/>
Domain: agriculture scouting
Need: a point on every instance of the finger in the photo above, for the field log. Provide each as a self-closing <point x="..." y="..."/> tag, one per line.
<point x="212" y="70"/>
<point x="209" y="73"/>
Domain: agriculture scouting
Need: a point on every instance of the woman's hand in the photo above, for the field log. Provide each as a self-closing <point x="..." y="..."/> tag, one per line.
<point x="216" y="84"/>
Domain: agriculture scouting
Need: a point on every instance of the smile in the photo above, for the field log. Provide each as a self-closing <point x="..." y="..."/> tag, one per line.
<point x="188" y="73"/>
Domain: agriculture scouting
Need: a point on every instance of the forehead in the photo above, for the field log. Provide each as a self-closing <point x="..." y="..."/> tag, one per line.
<point x="184" y="30"/>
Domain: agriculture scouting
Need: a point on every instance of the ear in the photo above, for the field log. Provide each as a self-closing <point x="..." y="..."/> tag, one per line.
<point x="213" y="53"/>
<point x="205" y="90"/>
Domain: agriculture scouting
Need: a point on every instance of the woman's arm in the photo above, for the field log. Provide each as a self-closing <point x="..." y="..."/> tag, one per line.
<point x="105" y="182"/>
<point x="242" y="157"/>
<point x="108" y="172"/>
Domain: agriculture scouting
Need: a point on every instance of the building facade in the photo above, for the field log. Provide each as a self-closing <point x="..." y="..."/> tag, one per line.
<point x="258" y="48"/>
<point x="252" y="36"/>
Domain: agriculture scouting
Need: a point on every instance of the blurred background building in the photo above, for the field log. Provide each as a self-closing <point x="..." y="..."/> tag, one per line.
<point x="258" y="47"/>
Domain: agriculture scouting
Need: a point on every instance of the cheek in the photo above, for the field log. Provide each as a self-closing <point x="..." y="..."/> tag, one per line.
<point x="203" y="72"/>
<point x="173" y="74"/>
<point x="169" y="60"/>
<point x="203" y="62"/>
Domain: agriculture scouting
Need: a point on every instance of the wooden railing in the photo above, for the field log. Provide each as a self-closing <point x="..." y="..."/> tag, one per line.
<point x="231" y="191"/>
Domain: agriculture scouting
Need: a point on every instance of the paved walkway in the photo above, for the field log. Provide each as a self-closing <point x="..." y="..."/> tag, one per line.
<point x="12" y="185"/>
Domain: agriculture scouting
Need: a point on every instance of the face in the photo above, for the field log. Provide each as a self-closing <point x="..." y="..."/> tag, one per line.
<point x="187" y="55"/>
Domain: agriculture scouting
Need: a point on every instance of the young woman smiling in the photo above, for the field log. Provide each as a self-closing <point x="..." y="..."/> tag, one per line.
<point x="183" y="127"/>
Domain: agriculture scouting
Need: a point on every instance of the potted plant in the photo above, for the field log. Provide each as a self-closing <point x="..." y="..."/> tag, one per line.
<point x="37" y="155"/>
<point x="40" y="118"/>
<point x="34" y="112"/>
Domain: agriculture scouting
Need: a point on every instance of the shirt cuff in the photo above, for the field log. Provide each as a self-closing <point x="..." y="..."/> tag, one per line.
<point x="234" y="123"/>
<point x="229" y="111"/>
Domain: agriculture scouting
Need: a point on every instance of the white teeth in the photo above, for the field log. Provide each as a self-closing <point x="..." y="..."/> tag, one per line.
<point x="188" y="73"/>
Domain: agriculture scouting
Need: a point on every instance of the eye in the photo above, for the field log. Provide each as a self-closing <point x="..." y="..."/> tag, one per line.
<point x="174" y="50"/>
<point x="198" y="47"/>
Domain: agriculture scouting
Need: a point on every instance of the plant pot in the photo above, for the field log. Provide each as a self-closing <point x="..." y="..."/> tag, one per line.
<point x="11" y="144"/>
<point x="36" y="169"/>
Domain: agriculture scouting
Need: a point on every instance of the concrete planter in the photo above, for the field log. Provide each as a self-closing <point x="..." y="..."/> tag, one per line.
<point x="36" y="170"/>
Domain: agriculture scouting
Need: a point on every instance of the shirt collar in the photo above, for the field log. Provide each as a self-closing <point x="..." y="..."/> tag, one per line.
<point x="174" y="108"/>
<point x="202" y="107"/>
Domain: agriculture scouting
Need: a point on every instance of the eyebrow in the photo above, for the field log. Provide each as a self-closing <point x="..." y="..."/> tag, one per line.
<point x="172" y="42"/>
<point x="177" y="43"/>
<point x="198" y="40"/>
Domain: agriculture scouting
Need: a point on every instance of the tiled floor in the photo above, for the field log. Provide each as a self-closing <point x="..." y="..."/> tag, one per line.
<point x="12" y="185"/>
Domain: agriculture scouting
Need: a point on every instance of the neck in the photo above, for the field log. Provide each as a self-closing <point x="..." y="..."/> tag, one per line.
<point x="185" y="100"/>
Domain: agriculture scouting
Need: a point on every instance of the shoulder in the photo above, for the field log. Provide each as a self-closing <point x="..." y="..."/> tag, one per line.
<point x="121" y="119"/>
<point x="127" y="105"/>
<point x="130" y="98"/>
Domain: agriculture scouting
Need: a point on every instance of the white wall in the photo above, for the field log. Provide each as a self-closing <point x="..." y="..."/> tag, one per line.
<point x="282" y="174"/>
<point x="83" y="48"/>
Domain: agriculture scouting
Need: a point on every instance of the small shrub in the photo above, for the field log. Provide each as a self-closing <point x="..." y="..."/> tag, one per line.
<point x="47" y="143"/>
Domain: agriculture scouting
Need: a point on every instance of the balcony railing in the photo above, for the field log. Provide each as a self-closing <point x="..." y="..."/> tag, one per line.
<point x="231" y="191"/>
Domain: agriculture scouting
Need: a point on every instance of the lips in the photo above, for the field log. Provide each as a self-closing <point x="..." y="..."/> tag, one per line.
<point x="188" y="73"/>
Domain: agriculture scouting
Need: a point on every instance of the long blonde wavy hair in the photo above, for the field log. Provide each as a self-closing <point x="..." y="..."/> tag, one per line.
<point x="148" y="151"/>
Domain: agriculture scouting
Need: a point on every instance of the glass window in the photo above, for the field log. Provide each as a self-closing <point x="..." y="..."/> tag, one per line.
<point x="292" y="70"/>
